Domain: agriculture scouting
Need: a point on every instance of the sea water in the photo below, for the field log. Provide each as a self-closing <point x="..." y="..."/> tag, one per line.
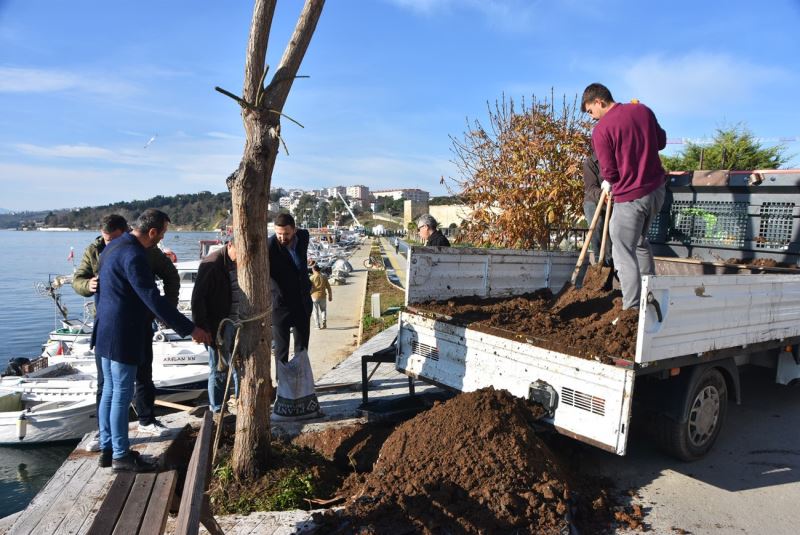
<point x="28" y="262"/>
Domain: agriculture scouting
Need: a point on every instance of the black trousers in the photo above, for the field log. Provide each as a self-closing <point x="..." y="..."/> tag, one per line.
<point x="145" y="395"/>
<point x="280" y="334"/>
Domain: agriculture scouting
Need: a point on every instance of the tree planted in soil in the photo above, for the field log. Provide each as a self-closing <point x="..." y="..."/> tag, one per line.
<point x="522" y="174"/>
<point x="262" y="109"/>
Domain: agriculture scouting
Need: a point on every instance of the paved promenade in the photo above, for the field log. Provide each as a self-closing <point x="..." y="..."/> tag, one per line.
<point x="328" y="347"/>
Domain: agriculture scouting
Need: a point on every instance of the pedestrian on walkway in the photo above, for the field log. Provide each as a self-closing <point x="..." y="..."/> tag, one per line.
<point x="320" y="289"/>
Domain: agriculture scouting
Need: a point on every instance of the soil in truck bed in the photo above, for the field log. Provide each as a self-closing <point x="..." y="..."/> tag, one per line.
<point x="586" y="322"/>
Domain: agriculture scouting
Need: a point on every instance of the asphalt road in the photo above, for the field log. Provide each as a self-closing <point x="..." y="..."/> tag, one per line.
<point x="748" y="484"/>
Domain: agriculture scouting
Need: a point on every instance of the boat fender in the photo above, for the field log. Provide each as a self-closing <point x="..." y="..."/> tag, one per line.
<point x="22" y="426"/>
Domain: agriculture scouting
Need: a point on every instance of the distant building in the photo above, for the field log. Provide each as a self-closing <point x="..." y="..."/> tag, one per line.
<point x="359" y="194"/>
<point x="416" y="195"/>
<point x="285" y="202"/>
<point x="331" y="192"/>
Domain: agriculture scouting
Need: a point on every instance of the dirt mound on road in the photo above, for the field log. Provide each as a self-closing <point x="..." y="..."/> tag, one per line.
<point x="471" y="465"/>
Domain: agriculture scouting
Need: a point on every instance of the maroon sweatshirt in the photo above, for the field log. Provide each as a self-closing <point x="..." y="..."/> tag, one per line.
<point x="627" y="140"/>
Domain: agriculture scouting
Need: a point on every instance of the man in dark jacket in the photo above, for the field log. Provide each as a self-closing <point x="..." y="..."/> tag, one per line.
<point x="592" y="182"/>
<point x="215" y="297"/>
<point x="84" y="281"/>
<point x="291" y="287"/>
<point x="123" y="337"/>
<point x="429" y="234"/>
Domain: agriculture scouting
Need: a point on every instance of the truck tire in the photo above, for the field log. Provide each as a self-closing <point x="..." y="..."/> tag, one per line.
<point x="707" y="406"/>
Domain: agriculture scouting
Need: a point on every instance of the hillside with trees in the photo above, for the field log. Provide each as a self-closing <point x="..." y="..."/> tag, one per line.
<point x="193" y="211"/>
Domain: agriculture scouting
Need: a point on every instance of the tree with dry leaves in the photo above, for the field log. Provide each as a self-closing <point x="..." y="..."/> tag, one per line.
<point x="262" y="109"/>
<point x="522" y="174"/>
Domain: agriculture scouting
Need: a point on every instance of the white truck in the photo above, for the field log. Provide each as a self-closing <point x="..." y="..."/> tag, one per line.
<point x="694" y="332"/>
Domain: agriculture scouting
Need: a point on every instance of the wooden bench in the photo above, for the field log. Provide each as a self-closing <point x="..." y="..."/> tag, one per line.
<point x="138" y="504"/>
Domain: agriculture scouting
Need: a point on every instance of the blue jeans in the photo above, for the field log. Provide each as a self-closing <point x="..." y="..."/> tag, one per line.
<point x="216" y="378"/>
<point x="112" y="417"/>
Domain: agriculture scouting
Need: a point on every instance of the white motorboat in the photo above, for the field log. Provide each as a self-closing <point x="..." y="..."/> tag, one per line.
<point x="46" y="410"/>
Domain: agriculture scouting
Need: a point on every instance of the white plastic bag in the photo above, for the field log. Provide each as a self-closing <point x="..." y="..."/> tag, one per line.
<point x="296" y="398"/>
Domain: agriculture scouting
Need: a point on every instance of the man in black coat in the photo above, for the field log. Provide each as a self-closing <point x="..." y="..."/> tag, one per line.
<point x="291" y="287"/>
<point x="215" y="297"/>
<point x="429" y="234"/>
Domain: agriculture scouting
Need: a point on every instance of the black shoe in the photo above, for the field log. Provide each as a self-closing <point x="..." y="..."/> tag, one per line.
<point x="105" y="458"/>
<point x="132" y="462"/>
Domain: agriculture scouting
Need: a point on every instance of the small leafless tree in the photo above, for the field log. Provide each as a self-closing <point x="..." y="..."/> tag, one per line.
<point x="262" y="109"/>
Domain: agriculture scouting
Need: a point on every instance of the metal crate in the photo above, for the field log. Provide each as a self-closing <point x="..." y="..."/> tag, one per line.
<point x="733" y="220"/>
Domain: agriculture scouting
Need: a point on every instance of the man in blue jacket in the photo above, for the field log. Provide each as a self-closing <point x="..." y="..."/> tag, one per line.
<point x="126" y="297"/>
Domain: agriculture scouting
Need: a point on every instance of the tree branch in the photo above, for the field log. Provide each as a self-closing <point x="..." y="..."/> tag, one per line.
<point x="278" y="90"/>
<point x="255" y="61"/>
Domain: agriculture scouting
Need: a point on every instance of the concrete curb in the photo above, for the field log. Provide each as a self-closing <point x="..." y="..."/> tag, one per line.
<point x="361" y="316"/>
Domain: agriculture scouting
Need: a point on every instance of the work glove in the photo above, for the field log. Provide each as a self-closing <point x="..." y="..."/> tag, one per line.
<point x="606" y="186"/>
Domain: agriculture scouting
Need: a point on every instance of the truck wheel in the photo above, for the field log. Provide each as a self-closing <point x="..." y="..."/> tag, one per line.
<point x="707" y="407"/>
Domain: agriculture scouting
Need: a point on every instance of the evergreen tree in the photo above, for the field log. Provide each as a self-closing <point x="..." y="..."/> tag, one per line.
<point x="733" y="148"/>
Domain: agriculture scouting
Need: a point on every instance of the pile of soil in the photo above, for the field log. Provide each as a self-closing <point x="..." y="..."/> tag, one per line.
<point x="586" y="322"/>
<point x="473" y="464"/>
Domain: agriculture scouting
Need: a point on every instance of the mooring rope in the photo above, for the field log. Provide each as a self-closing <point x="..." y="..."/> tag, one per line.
<point x="237" y="325"/>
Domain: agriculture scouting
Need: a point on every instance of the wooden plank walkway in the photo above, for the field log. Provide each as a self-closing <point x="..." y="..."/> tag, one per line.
<point x="261" y="523"/>
<point x="72" y="497"/>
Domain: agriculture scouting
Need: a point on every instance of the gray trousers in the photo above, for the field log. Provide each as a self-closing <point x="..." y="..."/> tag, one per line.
<point x="633" y="256"/>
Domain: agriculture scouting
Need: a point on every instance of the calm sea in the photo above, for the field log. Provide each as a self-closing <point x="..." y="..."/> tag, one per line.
<point x="29" y="260"/>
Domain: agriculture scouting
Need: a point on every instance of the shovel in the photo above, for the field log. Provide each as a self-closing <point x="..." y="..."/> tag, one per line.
<point x="603" y="273"/>
<point x="588" y="239"/>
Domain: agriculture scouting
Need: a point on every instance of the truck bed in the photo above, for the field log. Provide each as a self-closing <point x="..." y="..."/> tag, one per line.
<point x="686" y="317"/>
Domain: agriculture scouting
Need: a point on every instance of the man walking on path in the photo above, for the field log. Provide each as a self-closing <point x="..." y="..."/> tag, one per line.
<point x="84" y="282"/>
<point x="123" y="337"/>
<point x="291" y="287"/>
<point x="627" y="139"/>
<point x="320" y="289"/>
<point x="216" y="296"/>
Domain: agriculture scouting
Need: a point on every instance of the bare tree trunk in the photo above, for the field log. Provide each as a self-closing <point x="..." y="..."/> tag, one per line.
<point x="261" y="109"/>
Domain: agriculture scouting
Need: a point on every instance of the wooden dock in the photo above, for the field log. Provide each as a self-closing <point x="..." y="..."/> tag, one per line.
<point x="72" y="497"/>
<point x="70" y="500"/>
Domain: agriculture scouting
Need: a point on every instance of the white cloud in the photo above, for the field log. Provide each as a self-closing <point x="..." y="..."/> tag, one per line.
<point x="696" y="83"/>
<point x="513" y="15"/>
<point x="224" y="135"/>
<point x="84" y="152"/>
<point x="25" y="80"/>
<point x="66" y="151"/>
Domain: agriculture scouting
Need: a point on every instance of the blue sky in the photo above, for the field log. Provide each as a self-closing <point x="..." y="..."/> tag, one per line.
<point x="85" y="84"/>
